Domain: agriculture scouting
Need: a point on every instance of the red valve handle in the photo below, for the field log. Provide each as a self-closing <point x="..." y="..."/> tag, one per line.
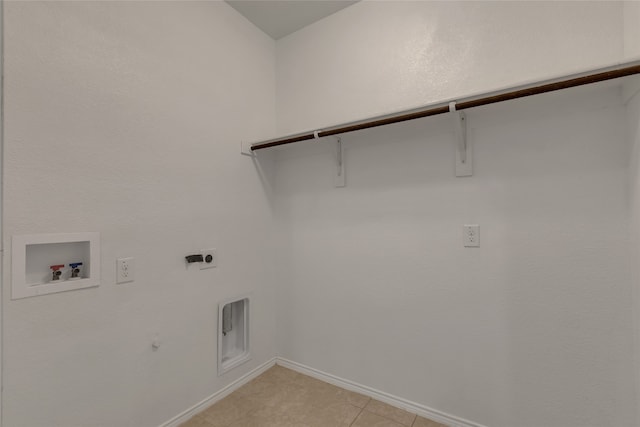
<point x="56" y="267"/>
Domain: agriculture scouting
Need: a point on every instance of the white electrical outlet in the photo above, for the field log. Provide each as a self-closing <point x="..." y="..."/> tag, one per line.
<point x="125" y="270"/>
<point x="210" y="258"/>
<point x="471" y="235"/>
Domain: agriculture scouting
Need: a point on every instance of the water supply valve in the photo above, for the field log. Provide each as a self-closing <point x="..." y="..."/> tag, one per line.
<point x="75" y="270"/>
<point x="55" y="271"/>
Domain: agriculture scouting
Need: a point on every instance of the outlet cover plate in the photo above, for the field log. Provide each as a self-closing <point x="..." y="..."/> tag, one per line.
<point x="126" y="270"/>
<point x="471" y="235"/>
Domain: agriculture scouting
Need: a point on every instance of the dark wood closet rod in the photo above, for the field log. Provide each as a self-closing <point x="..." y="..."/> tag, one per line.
<point x="622" y="70"/>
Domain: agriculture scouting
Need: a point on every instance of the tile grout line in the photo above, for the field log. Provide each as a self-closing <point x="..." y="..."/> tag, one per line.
<point x="391" y="419"/>
<point x="415" y="416"/>
<point x="354" y="420"/>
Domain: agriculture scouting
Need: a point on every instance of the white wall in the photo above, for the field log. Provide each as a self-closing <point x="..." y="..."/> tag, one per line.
<point x="531" y="329"/>
<point x="534" y="328"/>
<point x="633" y="133"/>
<point x="631" y="89"/>
<point x="631" y="13"/>
<point x="125" y="118"/>
<point x="378" y="57"/>
<point x="631" y="21"/>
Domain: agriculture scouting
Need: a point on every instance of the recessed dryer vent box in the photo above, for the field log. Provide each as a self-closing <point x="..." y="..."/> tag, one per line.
<point x="34" y="255"/>
<point x="233" y="334"/>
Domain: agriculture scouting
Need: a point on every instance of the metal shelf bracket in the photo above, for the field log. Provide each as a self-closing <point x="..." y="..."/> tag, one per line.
<point x="339" y="178"/>
<point x="464" y="153"/>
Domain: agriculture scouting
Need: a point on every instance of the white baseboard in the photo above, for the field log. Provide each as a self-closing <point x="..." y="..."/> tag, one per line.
<point x="398" y="402"/>
<point x="219" y="395"/>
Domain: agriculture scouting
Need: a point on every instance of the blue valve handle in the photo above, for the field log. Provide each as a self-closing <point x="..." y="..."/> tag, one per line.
<point x="75" y="264"/>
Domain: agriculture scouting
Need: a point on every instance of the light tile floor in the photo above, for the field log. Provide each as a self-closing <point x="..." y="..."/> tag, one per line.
<point x="284" y="398"/>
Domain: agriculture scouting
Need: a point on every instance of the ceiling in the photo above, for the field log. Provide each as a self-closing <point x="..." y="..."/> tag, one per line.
<point x="283" y="17"/>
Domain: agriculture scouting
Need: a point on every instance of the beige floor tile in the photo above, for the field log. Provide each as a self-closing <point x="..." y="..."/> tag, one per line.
<point x="322" y="394"/>
<point x="286" y="401"/>
<point x="278" y="374"/>
<point x="284" y="398"/>
<point x="353" y="398"/>
<point x="196" y="421"/>
<point x="256" y="387"/>
<point x="423" y="422"/>
<point x="259" y="421"/>
<point x="387" y="411"/>
<point x="229" y="409"/>
<point x="367" y="419"/>
<point x="269" y="393"/>
<point x="309" y="382"/>
<point x="337" y="415"/>
<point x="270" y="387"/>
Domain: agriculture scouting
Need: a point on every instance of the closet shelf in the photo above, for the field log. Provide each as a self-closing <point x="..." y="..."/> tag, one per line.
<point x="623" y="69"/>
